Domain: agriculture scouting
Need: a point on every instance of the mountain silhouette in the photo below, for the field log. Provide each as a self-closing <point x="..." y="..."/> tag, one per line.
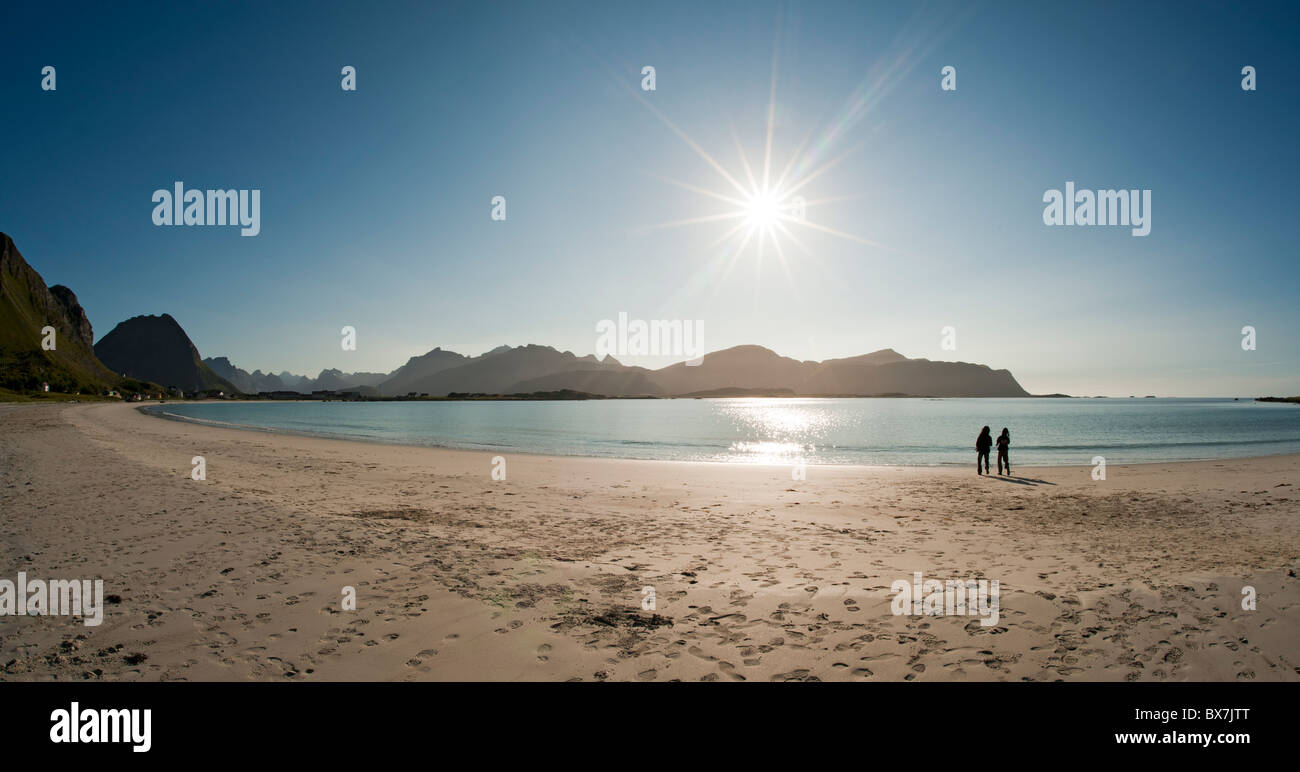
<point x="155" y="348"/>
<point x="407" y="378"/>
<point x="884" y="372"/>
<point x="737" y="370"/>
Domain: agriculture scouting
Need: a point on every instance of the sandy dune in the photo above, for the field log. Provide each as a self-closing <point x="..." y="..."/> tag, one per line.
<point x="757" y="577"/>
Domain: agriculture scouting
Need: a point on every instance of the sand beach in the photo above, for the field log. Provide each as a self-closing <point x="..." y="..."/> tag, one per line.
<point x="542" y="576"/>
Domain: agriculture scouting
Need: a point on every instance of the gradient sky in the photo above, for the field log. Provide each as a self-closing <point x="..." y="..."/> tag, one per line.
<point x="376" y="203"/>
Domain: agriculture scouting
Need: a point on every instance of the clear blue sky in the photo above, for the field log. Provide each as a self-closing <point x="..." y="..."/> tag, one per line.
<point x="376" y="203"/>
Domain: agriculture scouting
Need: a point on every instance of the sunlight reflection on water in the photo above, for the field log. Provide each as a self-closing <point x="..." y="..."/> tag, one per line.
<point x="783" y="431"/>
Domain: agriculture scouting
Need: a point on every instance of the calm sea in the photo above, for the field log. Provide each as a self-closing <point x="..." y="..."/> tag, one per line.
<point x="920" y="432"/>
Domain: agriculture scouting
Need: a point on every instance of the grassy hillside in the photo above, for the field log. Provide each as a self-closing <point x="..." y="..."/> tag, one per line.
<point x="27" y="306"/>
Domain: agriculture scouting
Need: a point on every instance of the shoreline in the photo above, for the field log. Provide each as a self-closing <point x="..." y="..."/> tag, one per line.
<point x="541" y="576"/>
<point x="149" y="410"/>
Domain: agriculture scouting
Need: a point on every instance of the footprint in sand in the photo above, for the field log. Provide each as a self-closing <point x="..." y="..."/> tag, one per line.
<point x="730" y="670"/>
<point x="696" y="651"/>
<point x="543" y="650"/>
<point x="793" y="675"/>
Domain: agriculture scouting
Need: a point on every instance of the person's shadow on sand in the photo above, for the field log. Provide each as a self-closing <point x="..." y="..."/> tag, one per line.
<point x="1019" y="480"/>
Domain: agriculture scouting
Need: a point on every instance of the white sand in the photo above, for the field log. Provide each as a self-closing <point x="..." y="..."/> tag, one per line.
<point x="540" y="577"/>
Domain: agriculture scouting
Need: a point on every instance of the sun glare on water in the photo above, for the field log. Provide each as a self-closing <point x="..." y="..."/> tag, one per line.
<point x="778" y="431"/>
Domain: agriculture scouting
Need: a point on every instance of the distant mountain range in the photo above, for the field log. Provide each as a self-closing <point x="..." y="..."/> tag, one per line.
<point x="328" y="380"/>
<point x="738" y="370"/>
<point x="157" y="349"/>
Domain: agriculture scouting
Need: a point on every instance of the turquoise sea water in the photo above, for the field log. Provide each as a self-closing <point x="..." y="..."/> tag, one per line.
<point x="920" y="432"/>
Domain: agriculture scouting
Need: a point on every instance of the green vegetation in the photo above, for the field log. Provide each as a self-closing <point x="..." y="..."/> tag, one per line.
<point x="7" y="395"/>
<point x="25" y="366"/>
<point x="27" y="307"/>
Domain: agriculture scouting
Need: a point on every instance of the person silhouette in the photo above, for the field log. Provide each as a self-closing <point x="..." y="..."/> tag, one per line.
<point x="982" y="445"/>
<point x="1004" y="445"/>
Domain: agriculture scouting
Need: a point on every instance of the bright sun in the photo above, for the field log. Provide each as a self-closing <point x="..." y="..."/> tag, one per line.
<point x="765" y="205"/>
<point x="768" y="209"/>
<point x="762" y="210"/>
